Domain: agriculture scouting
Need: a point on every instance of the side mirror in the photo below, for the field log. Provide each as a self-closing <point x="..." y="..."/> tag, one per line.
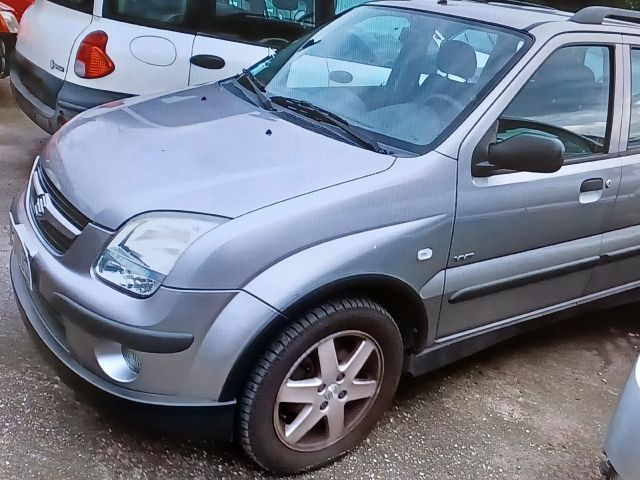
<point x="527" y="153"/>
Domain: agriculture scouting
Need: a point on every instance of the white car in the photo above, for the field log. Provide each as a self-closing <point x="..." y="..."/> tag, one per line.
<point x="76" y="54"/>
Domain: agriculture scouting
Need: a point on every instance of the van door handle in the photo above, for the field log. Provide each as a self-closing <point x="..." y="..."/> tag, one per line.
<point x="592" y="185"/>
<point x="210" y="62"/>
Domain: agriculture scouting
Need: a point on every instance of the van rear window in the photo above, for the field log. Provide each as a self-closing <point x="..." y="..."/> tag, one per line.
<point x="85" y="6"/>
<point x="266" y="22"/>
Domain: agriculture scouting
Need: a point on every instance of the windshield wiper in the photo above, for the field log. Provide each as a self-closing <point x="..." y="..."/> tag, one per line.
<point x="321" y="115"/>
<point x="257" y="89"/>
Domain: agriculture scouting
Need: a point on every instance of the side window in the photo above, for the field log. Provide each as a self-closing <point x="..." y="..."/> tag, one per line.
<point x="170" y="12"/>
<point x="342" y="5"/>
<point x="634" y="130"/>
<point x="568" y="99"/>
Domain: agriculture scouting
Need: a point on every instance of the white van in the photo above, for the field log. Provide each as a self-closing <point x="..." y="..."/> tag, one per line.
<point x="76" y="54"/>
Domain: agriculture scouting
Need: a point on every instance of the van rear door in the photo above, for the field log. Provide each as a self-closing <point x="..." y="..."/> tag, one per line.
<point x="48" y="32"/>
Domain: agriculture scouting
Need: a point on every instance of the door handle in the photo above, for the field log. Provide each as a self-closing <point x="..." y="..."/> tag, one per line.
<point x="210" y="62"/>
<point x="592" y="185"/>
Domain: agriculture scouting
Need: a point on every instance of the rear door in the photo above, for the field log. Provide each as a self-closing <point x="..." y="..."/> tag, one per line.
<point x="235" y="34"/>
<point x="49" y="30"/>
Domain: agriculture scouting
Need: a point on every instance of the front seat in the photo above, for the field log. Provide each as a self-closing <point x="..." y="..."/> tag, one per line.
<point x="449" y="86"/>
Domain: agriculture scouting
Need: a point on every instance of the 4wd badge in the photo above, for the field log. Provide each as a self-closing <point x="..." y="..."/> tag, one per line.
<point x="55" y="66"/>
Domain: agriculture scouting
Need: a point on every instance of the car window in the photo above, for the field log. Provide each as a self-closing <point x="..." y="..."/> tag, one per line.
<point x="160" y="11"/>
<point x="80" y="5"/>
<point x="342" y="5"/>
<point x="399" y="73"/>
<point x="634" y="130"/>
<point x="267" y="22"/>
<point x="568" y="99"/>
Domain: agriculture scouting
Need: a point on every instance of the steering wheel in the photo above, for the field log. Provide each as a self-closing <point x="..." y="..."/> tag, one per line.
<point x="173" y="18"/>
<point x="274" y="42"/>
<point x="437" y="100"/>
<point x="305" y="16"/>
<point x="565" y="136"/>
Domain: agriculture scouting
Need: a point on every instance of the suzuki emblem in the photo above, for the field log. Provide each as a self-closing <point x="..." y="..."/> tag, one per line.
<point x="40" y="206"/>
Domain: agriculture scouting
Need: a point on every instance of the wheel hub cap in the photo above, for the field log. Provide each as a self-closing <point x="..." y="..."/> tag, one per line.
<point x="332" y="392"/>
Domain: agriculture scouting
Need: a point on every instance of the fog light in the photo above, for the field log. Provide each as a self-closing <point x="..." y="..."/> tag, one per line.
<point x="117" y="361"/>
<point x="132" y="359"/>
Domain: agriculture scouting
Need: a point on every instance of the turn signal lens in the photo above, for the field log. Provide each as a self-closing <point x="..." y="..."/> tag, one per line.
<point x="8" y="22"/>
<point x="92" y="60"/>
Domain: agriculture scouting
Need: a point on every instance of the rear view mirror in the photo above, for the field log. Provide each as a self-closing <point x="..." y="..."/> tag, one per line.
<point x="521" y="153"/>
<point x="528" y="153"/>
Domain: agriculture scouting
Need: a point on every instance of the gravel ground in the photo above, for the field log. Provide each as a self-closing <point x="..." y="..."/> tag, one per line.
<point x="534" y="408"/>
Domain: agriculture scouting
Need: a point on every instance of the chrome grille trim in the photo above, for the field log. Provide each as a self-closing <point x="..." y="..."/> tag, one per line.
<point x="56" y="219"/>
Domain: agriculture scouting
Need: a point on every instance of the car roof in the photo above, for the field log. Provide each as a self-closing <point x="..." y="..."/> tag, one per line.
<point x="520" y="17"/>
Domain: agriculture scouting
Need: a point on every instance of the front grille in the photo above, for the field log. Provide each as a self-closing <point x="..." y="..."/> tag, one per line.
<point x="61" y="222"/>
<point x="71" y="213"/>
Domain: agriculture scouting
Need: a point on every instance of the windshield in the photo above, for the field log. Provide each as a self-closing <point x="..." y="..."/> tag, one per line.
<point x="403" y="76"/>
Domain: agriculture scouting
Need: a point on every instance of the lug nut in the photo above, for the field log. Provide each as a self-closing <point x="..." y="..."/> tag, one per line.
<point x="321" y="388"/>
<point x="324" y="405"/>
<point x="342" y="394"/>
<point x="340" y="377"/>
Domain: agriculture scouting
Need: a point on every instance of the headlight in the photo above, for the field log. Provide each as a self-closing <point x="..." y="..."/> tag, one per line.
<point x="147" y="248"/>
<point x="9" y="22"/>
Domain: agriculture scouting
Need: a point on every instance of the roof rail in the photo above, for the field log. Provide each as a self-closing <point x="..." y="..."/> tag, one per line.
<point x="597" y="15"/>
<point x="520" y="3"/>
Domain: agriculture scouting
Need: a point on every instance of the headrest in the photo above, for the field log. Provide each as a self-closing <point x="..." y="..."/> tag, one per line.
<point x="457" y="58"/>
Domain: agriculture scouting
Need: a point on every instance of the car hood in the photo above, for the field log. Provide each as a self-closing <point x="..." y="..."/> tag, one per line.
<point x="198" y="150"/>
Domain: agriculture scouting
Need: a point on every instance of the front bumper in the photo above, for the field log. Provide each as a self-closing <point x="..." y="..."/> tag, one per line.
<point x="7" y="48"/>
<point x="188" y="342"/>
<point x="623" y="436"/>
<point x="48" y="101"/>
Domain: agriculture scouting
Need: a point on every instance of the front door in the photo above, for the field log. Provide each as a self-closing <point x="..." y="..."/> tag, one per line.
<point x="525" y="244"/>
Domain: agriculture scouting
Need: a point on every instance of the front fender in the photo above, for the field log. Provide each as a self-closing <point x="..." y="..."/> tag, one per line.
<point x="390" y="251"/>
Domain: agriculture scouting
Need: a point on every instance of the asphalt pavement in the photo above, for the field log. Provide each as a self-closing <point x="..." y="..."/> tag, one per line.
<point x="534" y="408"/>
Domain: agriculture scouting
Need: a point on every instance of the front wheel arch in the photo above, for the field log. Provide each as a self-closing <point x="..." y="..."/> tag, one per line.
<point x="397" y="297"/>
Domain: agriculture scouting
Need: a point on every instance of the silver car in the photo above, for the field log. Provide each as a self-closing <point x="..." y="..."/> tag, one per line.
<point x="623" y="436"/>
<point x="404" y="187"/>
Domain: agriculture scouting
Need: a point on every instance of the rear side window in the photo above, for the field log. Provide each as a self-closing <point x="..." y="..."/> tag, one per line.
<point x="85" y="6"/>
<point x="568" y="98"/>
<point x="266" y="22"/>
<point x="634" y="131"/>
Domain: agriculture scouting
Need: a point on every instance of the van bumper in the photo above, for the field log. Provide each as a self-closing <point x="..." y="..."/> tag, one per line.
<point x="49" y="101"/>
<point x="623" y="436"/>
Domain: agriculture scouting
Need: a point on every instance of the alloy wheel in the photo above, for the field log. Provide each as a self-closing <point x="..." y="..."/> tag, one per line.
<point x="330" y="388"/>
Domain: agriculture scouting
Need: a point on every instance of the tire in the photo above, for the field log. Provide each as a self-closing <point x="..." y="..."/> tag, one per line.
<point x="608" y="472"/>
<point x="365" y="340"/>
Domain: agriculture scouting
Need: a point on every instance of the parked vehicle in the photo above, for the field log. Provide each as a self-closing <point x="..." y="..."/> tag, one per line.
<point x="76" y="54"/>
<point x="8" y="32"/>
<point x="19" y="6"/>
<point x="623" y="436"/>
<point x="378" y="197"/>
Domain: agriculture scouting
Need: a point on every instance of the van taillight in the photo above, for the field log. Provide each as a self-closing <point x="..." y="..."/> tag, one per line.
<point x="92" y="60"/>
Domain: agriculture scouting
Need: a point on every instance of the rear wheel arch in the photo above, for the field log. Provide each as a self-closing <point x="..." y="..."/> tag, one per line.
<point x="397" y="297"/>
